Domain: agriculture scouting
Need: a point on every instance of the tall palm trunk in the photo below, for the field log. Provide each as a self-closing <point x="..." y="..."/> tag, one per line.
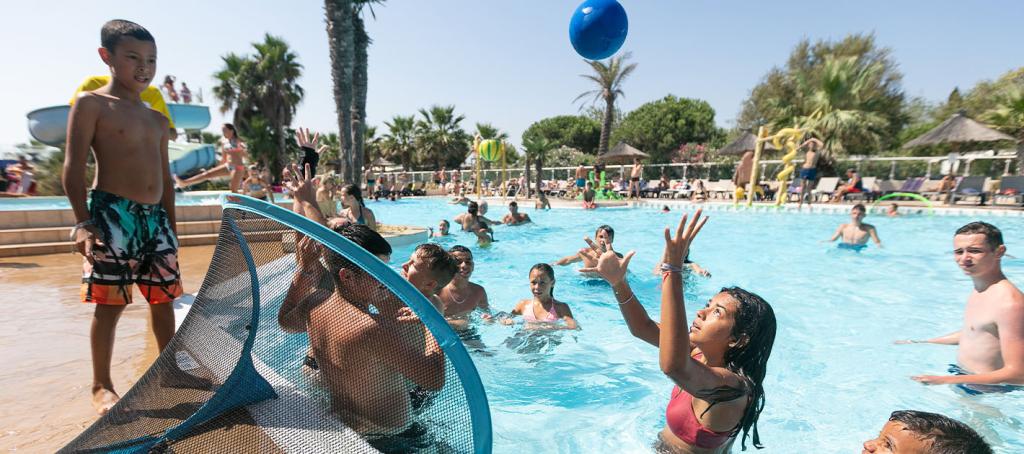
<point x="606" y="125"/>
<point x="526" y="172"/>
<point x="539" y="163"/>
<point x="342" y="49"/>
<point x="359" y="87"/>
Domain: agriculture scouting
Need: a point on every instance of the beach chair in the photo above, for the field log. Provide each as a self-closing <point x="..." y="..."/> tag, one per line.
<point x="793" y="191"/>
<point x="669" y="192"/>
<point x="1010" y="188"/>
<point x="929" y="189"/>
<point x="826" y="186"/>
<point x="969" y="187"/>
<point x="889" y="186"/>
<point x="649" y="190"/>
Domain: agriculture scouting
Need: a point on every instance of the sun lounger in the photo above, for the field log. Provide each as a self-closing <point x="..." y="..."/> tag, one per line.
<point x="1010" y="188"/>
<point x="870" y="192"/>
<point x="889" y="186"/>
<point x="930" y="189"/>
<point x="826" y="186"/>
<point x="970" y="187"/>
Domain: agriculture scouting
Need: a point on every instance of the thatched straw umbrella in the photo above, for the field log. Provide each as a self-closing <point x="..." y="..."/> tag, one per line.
<point x="958" y="129"/>
<point x="743" y="144"/>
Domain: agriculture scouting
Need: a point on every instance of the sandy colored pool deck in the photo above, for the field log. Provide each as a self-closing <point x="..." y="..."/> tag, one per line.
<point x="44" y="343"/>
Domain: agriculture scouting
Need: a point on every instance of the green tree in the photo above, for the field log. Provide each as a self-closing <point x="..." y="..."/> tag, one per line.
<point x="573" y="131"/>
<point x="264" y="92"/>
<point x="399" y="143"/>
<point x="440" y="139"/>
<point x="609" y="79"/>
<point x="659" y="127"/>
<point x="849" y="91"/>
<point x="371" y="143"/>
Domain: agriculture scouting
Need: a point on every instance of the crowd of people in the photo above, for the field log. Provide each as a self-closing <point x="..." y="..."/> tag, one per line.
<point x="126" y="232"/>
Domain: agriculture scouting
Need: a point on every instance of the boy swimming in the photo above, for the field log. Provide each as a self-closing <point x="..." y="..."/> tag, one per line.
<point x="514" y="217"/>
<point x="461" y="297"/>
<point x="990" y="345"/>
<point x="918" y="432"/>
<point x="126" y="231"/>
<point x="856" y="234"/>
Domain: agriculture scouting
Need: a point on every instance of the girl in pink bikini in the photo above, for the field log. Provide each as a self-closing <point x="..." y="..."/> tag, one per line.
<point x="543" y="311"/>
<point x="718" y="363"/>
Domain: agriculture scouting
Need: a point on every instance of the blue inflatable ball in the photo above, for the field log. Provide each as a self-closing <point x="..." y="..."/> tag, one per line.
<point x="598" y="28"/>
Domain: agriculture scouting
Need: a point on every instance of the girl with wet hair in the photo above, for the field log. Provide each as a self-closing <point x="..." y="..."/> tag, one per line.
<point x="543" y="311"/>
<point x="718" y="363"/>
<point x="355" y="209"/>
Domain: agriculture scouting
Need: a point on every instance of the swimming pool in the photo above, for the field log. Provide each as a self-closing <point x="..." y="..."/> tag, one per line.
<point x="834" y="375"/>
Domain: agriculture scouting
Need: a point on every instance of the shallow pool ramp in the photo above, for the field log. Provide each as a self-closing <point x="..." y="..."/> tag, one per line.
<point x="340" y="369"/>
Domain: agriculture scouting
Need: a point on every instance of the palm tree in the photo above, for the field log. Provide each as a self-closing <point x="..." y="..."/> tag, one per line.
<point x="609" y="79"/>
<point x="264" y="93"/>
<point x="842" y="105"/>
<point x="1008" y="116"/>
<point x="371" y="143"/>
<point x="536" y="149"/>
<point x="398" y="143"/>
<point x="340" y="33"/>
<point x="488" y="131"/>
<point x="440" y="137"/>
<point x="361" y="41"/>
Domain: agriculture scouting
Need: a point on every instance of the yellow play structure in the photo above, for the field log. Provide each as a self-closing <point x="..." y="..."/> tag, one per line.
<point x="786" y="139"/>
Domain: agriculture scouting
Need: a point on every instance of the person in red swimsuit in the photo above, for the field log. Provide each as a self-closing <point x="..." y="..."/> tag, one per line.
<point x="718" y="363"/>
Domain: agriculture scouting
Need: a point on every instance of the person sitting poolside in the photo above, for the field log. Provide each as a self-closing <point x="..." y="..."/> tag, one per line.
<point x="603" y="237"/>
<point x="718" y="363"/>
<point x="256" y="186"/>
<point x="918" y="432"/>
<point x="543" y="311"/>
<point x="856" y="234"/>
<point x="588" y="196"/>
<point x="461" y="297"/>
<point x="514" y="217"/>
<point x="853" y="185"/>
<point x="990" y="346"/>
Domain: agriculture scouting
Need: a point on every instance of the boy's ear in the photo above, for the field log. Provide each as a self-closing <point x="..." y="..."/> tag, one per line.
<point x="104" y="55"/>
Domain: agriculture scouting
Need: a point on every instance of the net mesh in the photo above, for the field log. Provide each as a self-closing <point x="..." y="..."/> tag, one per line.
<point x="343" y="368"/>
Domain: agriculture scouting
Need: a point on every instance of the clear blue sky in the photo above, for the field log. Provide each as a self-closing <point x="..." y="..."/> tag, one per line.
<point x="510" y="62"/>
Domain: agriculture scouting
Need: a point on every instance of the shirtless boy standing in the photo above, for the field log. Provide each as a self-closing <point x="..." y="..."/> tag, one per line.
<point x="809" y="170"/>
<point x="634" y="178"/>
<point x="126" y="231"/>
<point x="991" y="342"/>
<point x="855" y="235"/>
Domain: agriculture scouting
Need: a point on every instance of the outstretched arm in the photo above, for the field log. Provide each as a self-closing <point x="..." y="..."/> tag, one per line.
<point x="839" y="233"/>
<point x="1011" y="343"/>
<point x="949" y="339"/>
<point x="568" y="260"/>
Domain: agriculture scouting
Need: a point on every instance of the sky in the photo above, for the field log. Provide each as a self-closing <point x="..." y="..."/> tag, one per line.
<point x="508" y="63"/>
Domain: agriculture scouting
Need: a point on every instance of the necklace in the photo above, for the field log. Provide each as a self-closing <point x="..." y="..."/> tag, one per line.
<point x="455" y="298"/>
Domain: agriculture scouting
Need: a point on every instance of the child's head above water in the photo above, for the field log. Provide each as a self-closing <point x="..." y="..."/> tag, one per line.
<point x="430" y="268"/>
<point x="130" y="52"/>
<point x="542" y="281"/>
<point x="909" y="431"/>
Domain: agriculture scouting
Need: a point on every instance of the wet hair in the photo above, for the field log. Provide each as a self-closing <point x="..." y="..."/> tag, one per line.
<point x="948" y="436"/>
<point x="472" y="208"/>
<point x="754" y="319"/>
<point x="549" y="272"/>
<point x="460" y="248"/>
<point x="859" y="206"/>
<point x="445" y="222"/>
<point x="608" y="230"/>
<point x="993" y="237"/>
<point x="441" y="264"/>
<point x="234" y="132"/>
<point x="354" y="191"/>
<point x="362" y="236"/>
<point x="513" y="204"/>
<point x="115" y="30"/>
<point x="895" y="205"/>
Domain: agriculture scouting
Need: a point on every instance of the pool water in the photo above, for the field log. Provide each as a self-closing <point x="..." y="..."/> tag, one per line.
<point x="834" y="375"/>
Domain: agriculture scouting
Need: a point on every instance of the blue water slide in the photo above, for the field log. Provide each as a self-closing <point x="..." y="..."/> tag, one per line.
<point x="49" y="125"/>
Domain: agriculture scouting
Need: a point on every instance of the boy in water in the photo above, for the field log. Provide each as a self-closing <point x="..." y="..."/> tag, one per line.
<point x="381" y="351"/>
<point x="514" y="217"/>
<point x="126" y="231"/>
<point x="918" y="432"/>
<point x="604" y="236"/>
<point x="856" y="234"/>
<point x="990" y="344"/>
<point x="461" y="297"/>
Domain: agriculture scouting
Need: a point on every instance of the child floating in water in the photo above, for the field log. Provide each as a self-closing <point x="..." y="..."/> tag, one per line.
<point x="543" y="311"/>
<point x="857" y="233"/>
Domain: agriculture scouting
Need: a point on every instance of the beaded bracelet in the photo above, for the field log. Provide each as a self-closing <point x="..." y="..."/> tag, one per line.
<point x="631" y="298"/>
<point x="668" y="268"/>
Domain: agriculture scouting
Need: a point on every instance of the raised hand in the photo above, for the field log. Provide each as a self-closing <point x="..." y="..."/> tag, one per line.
<point x="304" y="140"/>
<point x="677" y="247"/>
<point x="606" y="263"/>
<point x="301" y="184"/>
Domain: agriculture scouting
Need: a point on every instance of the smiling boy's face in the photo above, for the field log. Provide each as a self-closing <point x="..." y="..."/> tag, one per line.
<point x="132" y="63"/>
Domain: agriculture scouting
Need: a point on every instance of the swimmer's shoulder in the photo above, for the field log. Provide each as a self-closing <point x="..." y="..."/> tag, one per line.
<point x="562" y="309"/>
